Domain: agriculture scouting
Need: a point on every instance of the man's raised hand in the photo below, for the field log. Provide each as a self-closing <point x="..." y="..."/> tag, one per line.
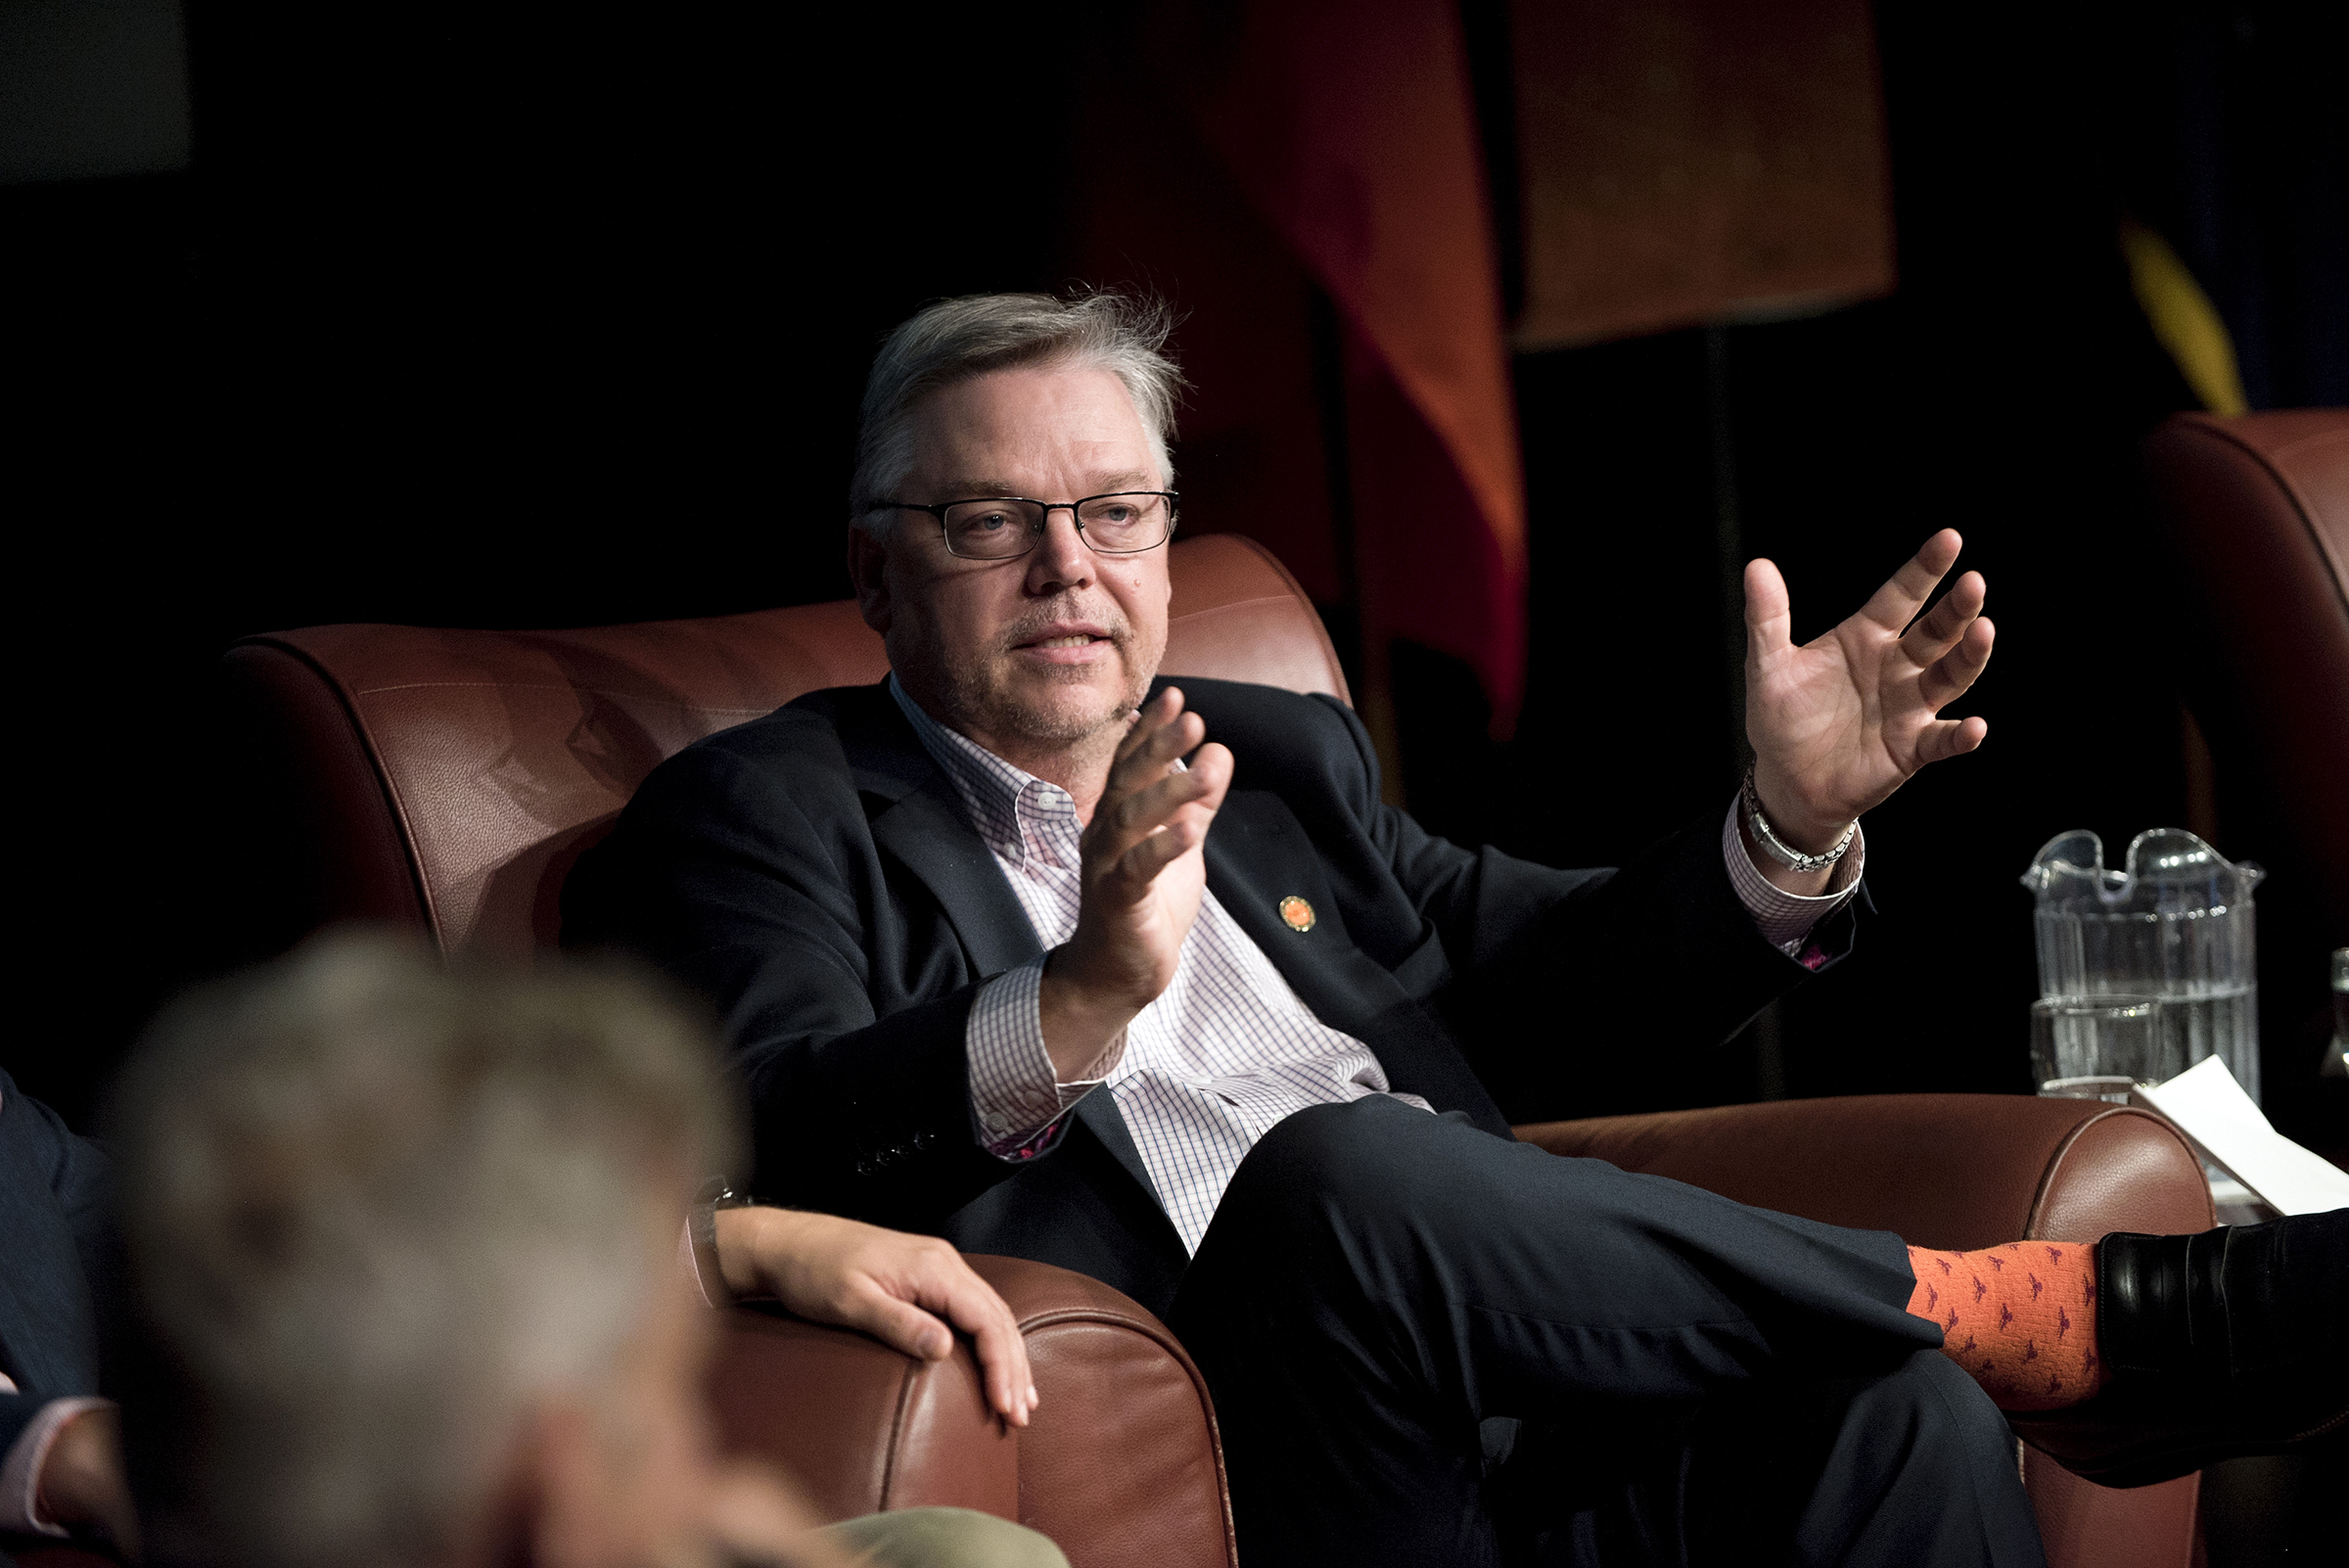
<point x="1844" y="720"/>
<point x="1143" y="874"/>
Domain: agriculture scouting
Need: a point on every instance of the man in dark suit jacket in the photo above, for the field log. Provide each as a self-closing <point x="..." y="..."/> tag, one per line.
<point x="849" y="997"/>
<point x="60" y="1453"/>
<point x="988" y="974"/>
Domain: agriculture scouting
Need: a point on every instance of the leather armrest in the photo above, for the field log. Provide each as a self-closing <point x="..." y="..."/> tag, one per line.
<point x="1941" y="1170"/>
<point x="863" y="1427"/>
<point x="1119" y="1463"/>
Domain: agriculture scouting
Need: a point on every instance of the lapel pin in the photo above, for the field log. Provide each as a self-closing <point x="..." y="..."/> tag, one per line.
<point x="1297" y="914"/>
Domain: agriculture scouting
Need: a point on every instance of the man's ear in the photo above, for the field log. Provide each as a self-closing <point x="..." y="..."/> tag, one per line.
<point x="868" y="569"/>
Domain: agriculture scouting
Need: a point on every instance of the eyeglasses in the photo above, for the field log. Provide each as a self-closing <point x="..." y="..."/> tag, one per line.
<point x="1006" y="527"/>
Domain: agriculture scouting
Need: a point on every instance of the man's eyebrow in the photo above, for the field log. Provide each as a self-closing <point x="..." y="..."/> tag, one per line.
<point x="970" y="489"/>
<point x="987" y="489"/>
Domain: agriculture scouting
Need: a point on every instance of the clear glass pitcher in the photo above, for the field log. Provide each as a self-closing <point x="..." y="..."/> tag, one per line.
<point x="2176" y="924"/>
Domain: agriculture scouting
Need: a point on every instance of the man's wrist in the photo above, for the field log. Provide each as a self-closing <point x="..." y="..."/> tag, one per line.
<point x="746" y="1240"/>
<point x="1782" y="817"/>
<point x="1079" y="1022"/>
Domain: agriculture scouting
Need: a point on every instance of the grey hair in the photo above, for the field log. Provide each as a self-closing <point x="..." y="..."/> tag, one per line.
<point x="956" y="340"/>
<point x="373" y="1210"/>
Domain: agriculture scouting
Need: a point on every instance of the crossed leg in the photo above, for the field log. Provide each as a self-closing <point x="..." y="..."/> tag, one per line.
<point x="1379" y="1285"/>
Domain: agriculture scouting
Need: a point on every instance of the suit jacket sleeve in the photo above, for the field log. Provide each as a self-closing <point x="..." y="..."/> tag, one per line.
<point x="1580" y="991"/>
<point x="743" y="868"/>
<point x="55" y="1232"/>
<point x="16" y="1411"/>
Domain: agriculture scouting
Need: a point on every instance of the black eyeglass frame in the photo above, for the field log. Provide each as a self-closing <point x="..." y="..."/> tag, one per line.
<point x="1172" y="498"/>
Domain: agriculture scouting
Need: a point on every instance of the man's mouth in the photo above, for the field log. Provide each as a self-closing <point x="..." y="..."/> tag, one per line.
<point x="1064" y="636"/>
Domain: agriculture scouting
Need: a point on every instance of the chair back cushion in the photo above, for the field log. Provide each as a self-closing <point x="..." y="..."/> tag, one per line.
<point x="449" y="778"/>
<point x="2260" y="510"/>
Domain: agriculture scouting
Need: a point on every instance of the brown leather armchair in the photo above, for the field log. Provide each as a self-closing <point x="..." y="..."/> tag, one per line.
<point x="2258" y="512"/>
<point x="2260" y="507"/>
<point x="447" y="780"/>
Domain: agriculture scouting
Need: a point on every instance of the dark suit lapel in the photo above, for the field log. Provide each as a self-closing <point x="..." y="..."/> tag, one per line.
<point x="928" y="833"/>
<point x="1099" y="1113"/>
<point x="924" y="826"/>
<point x="927" y="829"/>
<point x="1258" y="855"/>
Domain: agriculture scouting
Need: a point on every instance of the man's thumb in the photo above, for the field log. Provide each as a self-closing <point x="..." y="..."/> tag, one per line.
<point x="1768" y="615"/>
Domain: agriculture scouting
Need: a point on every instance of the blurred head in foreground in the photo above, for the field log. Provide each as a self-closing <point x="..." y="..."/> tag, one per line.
<point x="402" y="1243"/>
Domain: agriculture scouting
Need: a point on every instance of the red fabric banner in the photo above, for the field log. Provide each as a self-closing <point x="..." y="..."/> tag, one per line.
<point x="1351" y="128"/>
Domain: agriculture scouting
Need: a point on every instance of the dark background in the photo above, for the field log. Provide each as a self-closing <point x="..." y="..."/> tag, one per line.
<point x="458" y="315"/>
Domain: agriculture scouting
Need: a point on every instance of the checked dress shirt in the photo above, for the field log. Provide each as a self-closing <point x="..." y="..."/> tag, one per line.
<point x="1229" y="1049"/>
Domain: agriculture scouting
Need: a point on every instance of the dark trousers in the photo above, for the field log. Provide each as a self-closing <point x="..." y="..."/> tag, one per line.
<point x="1386" y="1296"/>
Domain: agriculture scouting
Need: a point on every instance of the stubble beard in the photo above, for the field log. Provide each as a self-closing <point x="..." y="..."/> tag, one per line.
<point x="1049" y="708"/>
<point x="1040" y="711"/>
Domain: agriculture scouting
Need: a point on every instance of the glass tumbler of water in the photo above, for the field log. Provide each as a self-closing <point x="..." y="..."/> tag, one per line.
<point x="2096" y="1047"/>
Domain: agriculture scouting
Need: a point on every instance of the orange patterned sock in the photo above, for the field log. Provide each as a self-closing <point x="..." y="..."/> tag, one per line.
<point x="2021" y="1319"/>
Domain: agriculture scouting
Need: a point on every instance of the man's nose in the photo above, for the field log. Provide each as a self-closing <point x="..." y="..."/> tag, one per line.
<point x="1061" y="559"/>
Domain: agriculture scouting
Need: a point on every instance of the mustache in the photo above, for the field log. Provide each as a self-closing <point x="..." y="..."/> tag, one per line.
<point x="1031" y="626"/>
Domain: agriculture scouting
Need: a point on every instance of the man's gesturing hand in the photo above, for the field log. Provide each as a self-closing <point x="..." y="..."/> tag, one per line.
<point x="1841" y="723"/>
<point x="904" y="1290"/>
<point x="1144" y="876"/>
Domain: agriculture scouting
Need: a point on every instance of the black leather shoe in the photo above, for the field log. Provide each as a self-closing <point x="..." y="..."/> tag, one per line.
<point x="2235" y="1341"/>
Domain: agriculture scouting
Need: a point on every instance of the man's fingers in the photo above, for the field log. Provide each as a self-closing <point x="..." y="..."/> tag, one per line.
<point x="1147" y="754"/>
<point x="935" y="1276"/>
<point x="971" y="1303"/>
<point x="1120" y="827"/>
<point x="1133" y="871"/>
<point x="1894" y="605"/>
<point x="1939" y="627"/>
<point x="1946" y="678"/>
<point x="1135" y="820"/>
<point x="1161" y="727"/>
<point x="1950" y="737"/>
<point x="1211" y="765"/>
<point x="899" y="1324"/>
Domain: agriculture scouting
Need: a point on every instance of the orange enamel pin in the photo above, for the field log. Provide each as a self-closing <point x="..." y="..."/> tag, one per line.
<point x="1297" y="914"/>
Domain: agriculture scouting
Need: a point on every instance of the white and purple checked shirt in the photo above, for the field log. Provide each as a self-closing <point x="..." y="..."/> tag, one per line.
<point x="1229" y="1049"/>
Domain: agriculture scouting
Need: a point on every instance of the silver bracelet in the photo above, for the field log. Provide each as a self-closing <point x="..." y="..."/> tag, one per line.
<point x="1777" y="848"/>
<point x="701" y="1227"/>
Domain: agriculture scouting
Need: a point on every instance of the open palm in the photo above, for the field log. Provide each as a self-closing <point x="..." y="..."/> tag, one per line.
<point x="1840" y="722"/>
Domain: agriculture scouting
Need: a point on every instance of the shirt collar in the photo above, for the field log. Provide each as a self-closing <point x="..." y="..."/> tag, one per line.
<point x="992" y="789"/>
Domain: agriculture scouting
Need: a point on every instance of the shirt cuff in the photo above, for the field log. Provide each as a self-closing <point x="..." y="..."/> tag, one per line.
<point x="1018" y="1101"/>
<point x="1785" y="919"/>
<point x="21" y="1471"/>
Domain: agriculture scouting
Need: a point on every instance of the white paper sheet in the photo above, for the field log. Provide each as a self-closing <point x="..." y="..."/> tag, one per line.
<point x="2211" y="1108"/>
